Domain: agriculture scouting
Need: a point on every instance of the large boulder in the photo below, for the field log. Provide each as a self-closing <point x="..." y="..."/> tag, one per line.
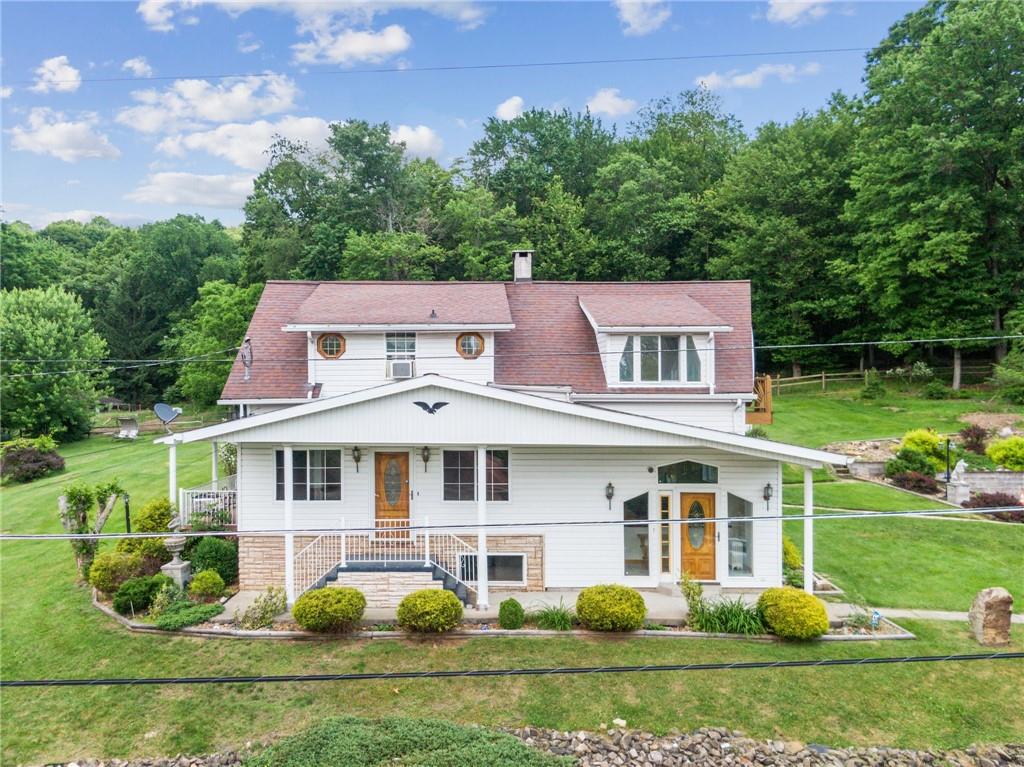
<point x="990" y="616"/>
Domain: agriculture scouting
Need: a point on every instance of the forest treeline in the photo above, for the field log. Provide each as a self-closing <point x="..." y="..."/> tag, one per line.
<point x="896" y="213"/>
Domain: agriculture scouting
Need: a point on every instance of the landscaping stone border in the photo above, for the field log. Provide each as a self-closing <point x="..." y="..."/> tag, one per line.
<point x="226" y="633"/>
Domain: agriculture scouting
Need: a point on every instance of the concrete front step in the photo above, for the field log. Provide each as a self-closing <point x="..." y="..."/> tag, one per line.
<point x="386" y="588"/>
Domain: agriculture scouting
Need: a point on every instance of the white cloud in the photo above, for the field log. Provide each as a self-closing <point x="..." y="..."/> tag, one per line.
<point x="796" y="12"/>
<point x="607" y="101"/>
<point x="420" y="141"/>
<point x="6" y="91"/>
<point x="50" y="132"/>
<point x="247" y="43"/>
<point x="510" y="108"/>
<point x="159" y="15"/>
<point x="138" y="67"/>
<point x="214" y="191"/>
<point x="189" y="104"/>
<point x="41" y="218"/>
<point x="56" y="74"/>
<point x="246" y="144"/>
<point x="350" y="46"/>
<point x="641" y="17"/>
<point x="787" y="73"/>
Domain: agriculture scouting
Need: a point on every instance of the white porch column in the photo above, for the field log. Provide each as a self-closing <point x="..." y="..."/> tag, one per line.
<point x="482" y="596"/>
<point x="172" y="473"/>
<point x="289" y="538"/>
<point x="213" y="461"/>
<point x="808" y="530"/>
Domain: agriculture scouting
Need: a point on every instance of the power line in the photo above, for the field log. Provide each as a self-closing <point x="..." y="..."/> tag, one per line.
<point x="505" y="672"/>
<point x="471" y="527"/>
<point x="500" y="355"/>
<point x="466" y="67"/>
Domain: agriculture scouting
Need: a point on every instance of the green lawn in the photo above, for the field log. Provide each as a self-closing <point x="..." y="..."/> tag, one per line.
<point x="817" y="419"/>
<point x="49" y="628"/>
<point x="860" y="495"/>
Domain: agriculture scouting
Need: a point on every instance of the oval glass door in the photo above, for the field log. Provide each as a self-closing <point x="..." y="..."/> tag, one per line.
<point x="693" y="531"/>
<point x="392" y="482"/>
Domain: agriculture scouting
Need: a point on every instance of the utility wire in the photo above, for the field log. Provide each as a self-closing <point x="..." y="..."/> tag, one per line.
<point x="465" y="67"/>
<point x="506" y="672"/>
<point x="494" y="355"/>
<point x="470" y="527"/>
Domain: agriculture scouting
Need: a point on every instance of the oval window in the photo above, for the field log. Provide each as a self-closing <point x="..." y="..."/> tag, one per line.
<point x="470" y="345"/>
<point x="695" y="532"/>
<point x="392" y="482"/>
<point x="330" y="345"/>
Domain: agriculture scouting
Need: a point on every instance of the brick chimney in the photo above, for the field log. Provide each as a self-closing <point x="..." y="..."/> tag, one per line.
<point x="522" y="265"/>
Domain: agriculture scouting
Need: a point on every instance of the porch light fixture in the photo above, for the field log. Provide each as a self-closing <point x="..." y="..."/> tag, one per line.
<point x="609" y="493"/>
<point x="425" y="455"/>
<point x="357" y="456"/>
<point x="768" y="491"/>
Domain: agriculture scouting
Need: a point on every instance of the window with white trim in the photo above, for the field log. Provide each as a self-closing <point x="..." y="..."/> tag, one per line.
<point x="316" y="475"/>
<point x="501" y="568"/>
<point x="400" y="346"/>
<point x="459" y="475"/>
<point x="662" y="359"/>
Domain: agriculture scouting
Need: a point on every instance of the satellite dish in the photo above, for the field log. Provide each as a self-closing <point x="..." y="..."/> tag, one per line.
<point x="166" y="413"/>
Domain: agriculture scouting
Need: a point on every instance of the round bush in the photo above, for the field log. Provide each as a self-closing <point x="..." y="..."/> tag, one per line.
<point x="916" y="482"/>
<point x="908" y="459"/>
<point x="791" y="557"/>
<point x="611" y="608"/>
<point x="329" y="609"/>
<point x="112" y="568"/>
<point x="154" y="517"/>
<point x="206" y="585"/>
<point x="431" y="611"/>
<point x="216" y="554"/>
<point x="793" y="614"/>
<point x="1008" y="452"/>
<point x="511" y="614"/>
<point x="23" y="464"/>
<point x="136" y="594"/>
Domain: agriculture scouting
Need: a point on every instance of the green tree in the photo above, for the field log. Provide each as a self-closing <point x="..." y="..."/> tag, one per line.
<point x="78" y="236"/>
<point x="90" y="274"/>
<point x="780" y="207"/>
<point x="555" y="227"/>
<point x="50" y="350"/>
<point x="390" y="256"/>
<point x="516" y="159"/>
<point x="216" y="321"/>
<point x="939" y="172"/>
<point x="29" y="260"/>
<point x="479" y="234"/>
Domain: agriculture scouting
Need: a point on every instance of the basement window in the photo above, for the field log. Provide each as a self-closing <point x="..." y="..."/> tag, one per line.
<point x="505" y="569"/>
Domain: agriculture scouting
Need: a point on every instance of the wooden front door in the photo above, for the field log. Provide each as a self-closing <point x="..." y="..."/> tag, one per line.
<point x="698" y="540"/>
<point x="391" y="485"/>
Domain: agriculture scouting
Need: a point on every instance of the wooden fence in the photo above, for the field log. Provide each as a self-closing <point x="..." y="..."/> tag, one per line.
<point x="859" y="377"/>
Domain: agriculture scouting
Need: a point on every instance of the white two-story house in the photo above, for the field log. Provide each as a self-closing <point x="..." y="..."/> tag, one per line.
<point x="489" y="436"/>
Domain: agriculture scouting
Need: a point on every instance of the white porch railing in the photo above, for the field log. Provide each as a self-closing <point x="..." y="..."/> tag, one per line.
<point x="215" y="503"/>
<point x="387" y="543"/>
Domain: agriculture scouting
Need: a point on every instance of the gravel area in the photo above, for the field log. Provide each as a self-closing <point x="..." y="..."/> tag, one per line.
<point x="708" y="747"/>
<point x="719" y="746"/>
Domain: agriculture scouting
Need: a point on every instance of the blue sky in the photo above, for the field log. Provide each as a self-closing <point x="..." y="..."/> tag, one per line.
<point x="171" y="137"/>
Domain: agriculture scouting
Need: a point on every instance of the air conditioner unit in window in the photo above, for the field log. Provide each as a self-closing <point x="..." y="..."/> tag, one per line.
<point x="401" y="368"/>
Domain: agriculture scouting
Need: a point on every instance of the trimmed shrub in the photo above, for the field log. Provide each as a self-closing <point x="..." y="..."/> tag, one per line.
<point x="216" y="554"/>
<point x="206" y="584"/>
<point x="511" y="614"/>
<point x="154" y="517"/>
<point x="908" y="459"/>
<point x="987" y="500"/>
<point x="135" y="595"/>
<point x="182" y="614"/>
<point x="727" y="616"/>
<point x="791" y="554"/>
<point x="261" y="613"/>
<point x="927" y="442"/>
<point x="24" y="464"/>
<point x="973" y="437"/>
<point x="611" y="608"/>
<point x="558" y="617"/>
<point x="1008" y="452"/>
<point x="430" y="611"/>
<point x="112" y="568"/>
<point x="873" y="386"/>
<point x="916" y="482"/>
<point x="329" y="609"/>
<point x="167" y="595"/>
<point x="793" y="614"/>
<point x="935" y="390"/>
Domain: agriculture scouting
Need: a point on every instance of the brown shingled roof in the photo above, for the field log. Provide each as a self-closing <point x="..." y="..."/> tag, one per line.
<point x="398" y="303"/>
<point x="547" y="317"/>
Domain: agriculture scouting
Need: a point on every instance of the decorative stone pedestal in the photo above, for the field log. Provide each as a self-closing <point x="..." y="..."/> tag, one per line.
<point x="177" y="570"/>
<point x="990" y="617"/>
<point x="957" y="492"/>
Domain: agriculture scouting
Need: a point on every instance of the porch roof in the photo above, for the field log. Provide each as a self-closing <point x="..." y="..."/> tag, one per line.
<point x="539" y="420"/>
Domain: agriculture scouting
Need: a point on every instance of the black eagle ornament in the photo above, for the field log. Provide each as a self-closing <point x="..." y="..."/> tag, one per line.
<point x="430" y="408"/>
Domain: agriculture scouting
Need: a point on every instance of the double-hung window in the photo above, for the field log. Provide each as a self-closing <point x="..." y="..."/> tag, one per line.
<point x="400" y="346"/>
<point x="661" y="359"/>
<point x="459" y="475"/>
<point x="316" y="475"/>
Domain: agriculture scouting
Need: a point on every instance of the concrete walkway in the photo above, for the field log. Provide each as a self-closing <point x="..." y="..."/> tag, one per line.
<point x="837" y="610"/>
